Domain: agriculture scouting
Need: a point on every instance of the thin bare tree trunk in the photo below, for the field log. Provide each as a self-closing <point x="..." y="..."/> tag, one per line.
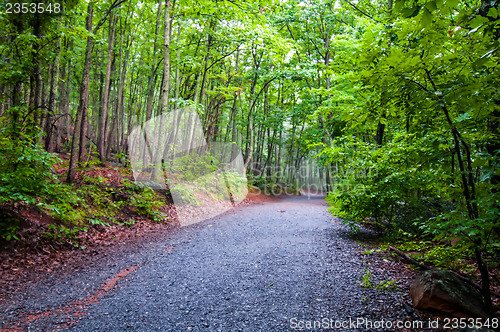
<point x="177" y="69"/>
<point x="152" y="78"/>
<point x="50" y="123"/>
<point x="2" y="102"/>
<point x="65" y="86"/>
<point x="84" y="96"/>
<point x="105" y="93"/>
<point x="207" y="57"/>
<point x="160" y="152"/>
<point x="166" y="61"/>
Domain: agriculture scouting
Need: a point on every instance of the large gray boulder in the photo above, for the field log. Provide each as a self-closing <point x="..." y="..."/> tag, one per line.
<point x="445" y="291"/>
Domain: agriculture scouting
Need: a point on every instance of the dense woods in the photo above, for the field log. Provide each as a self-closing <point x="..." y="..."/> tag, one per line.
<point x="390" y="107"/>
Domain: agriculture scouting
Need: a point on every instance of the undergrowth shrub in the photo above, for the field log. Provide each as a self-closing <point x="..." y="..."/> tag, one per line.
<point x="386" y="188"/>
<point x="148" y="203"/>
<point x="269" y="186"/>
<point x="184" y="195"/>
<point x="64" y="234"/>
<point x="27" y="178"/>
<point x="67" y="205"/>
<point x="25" y="170"/>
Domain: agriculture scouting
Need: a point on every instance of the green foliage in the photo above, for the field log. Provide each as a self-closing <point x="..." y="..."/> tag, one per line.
<point x="235" y="184"/>
<point x="26" y="177"/>
<point x="270" y="186"/>
<point x="129" y="223"/>
<point x="419" y="150"/>
<point x="186" y="195"/>
<point x="366" y="280"/>
<point x="218" y="184"/>
<point x="192" y="166"/>
<point x="130" y="186"/>
<point x="391" y="184"/>
<point x="101" y="198"/>
<point x="65" y="234"/>
<point x="148" y="203"/>
<point x="389" y="285"/>
<point x="94" y="222"/>
<point x="213" y="184"/>
<point x="66" y="205"/>
<point x="204" y="173"/>
<point x="25" y="170"/>
<point x="267" y="187"/>
<point x="440" y="254"/>
<point x="399" y="106"/>
<point x="8" y="228"/>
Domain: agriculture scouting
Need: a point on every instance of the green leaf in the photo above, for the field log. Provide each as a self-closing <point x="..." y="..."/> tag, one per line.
<point x="493" y="12"/>
<point x="477" y="22"/>
<point x="479" y="63"/>
<point x="452" y="3"/>
<point x="426" y="18"/>
<point x="410" y="12"/>
<point x="431" y="6"/>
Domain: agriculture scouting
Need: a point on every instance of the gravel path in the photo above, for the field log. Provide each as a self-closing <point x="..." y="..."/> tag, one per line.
<point x="275" y="266"/>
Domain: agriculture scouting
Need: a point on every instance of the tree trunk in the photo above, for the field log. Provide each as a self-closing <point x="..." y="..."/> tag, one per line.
<point x="160" y="152"/>
<point x="105" y="93"/>
<point x="2" y="102"/>
<point x="166" y="61"/>
<point x="36" y="77"/>
<point x="50" y="123"/>
<point x="469" y="194"/>
<point x="493" y="145"/>
<point x="152" y="77"/>
<point x="379" y="136"/>
<point x="84" y="96"/>
<point x="177" y="69"/>
<point x="65" y="91"/>
<point x="207" y="58"/>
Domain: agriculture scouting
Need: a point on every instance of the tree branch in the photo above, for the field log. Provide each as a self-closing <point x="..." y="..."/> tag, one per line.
<point x="115" y="4"/>
<point x="362" y="12"/>
<point x="418" y="83"/>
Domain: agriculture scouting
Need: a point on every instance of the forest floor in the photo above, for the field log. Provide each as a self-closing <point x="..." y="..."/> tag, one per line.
<point x="270" y="264"/>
